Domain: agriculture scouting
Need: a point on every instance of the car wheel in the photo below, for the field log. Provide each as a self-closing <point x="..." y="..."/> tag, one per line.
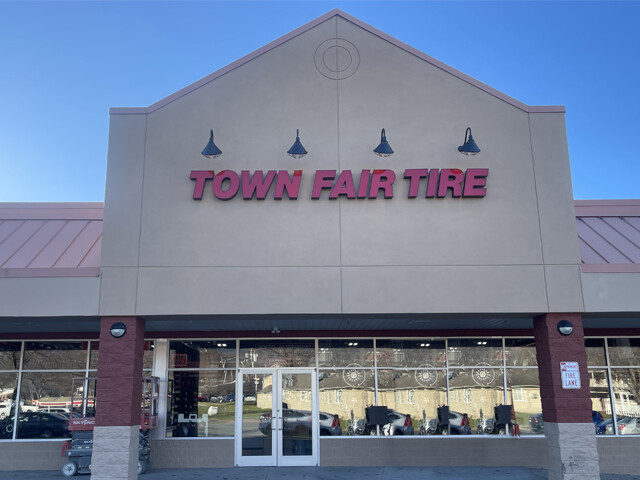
<point x="9" y="428"/>
<point x="47" y="433"/>
<point x="69" y="469"/>
<point x="142" y="467"/>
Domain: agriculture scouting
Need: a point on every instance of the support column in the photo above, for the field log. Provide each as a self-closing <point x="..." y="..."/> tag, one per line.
<point x="119" y="393"/>
<point x="568" y="427"/>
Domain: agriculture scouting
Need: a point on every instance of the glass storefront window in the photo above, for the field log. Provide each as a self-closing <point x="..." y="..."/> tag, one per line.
<point x="626" y="391"/>
<point x="624" y="351"/>
<point x="595" y="352"/>
<point x="472" y="352"/>
<point x="202" y="354"/>
<point x="523" y="392"/>
<point x="45" y="399"/>
<point x="426" y="353"/>
<point x="600" y="402"/>
<point x="201" y="404"/>
<point x="283" y="353"/>
<point x="55" y="355"/>
<point x="413" y="396"/>
<point x="346" y="393"/>
<point x="474" y="392"/>
<point x="345" y="353"/>
<point x="10" y="356"/>
<point x="8" y="386"/>
<point x="520" y="352"/>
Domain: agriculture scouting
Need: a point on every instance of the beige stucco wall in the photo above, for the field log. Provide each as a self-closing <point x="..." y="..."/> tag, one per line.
<point x="49" y="296"/>
<point x="513" y="251"/>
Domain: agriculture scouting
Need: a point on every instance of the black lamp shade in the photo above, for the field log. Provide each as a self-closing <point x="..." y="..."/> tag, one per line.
<point x="470" y="146"/>
<point x="297" y="150"/>
<point x="118" y="330"/>
<point x="384" y="149"/>
<point x="565" y="327"/>
<point x="211" y="150"/>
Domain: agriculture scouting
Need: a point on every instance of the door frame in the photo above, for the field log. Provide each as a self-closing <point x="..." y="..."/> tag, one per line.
<point x="277" y="458"/>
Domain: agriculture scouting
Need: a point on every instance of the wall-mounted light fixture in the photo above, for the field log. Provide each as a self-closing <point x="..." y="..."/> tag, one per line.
<point x="297" y="150"/>
<point x="470" y="147"/>
<point x="384" y="149"/>
<point x="118" y="330"/>
<point x="211" y="150"/>
<point x="565" y="327"/>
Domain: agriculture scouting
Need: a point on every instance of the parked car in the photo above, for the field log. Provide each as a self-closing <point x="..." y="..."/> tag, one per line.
<point x="36" y="425"/>
<point x="329" y="424"/>
<point x="251" y="399"/>
<point x="458" y="425"/>
<point x="298" y="423"/>
<point x="600" y="424"/>
<point x="629" y="426"/>
<point x="399" y="424"/>
<point x="536" y="423"/>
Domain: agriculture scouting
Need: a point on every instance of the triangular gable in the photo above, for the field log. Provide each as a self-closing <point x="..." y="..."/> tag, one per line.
<point x="333" y="13"/>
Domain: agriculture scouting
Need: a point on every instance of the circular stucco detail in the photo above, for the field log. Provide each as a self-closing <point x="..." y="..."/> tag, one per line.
<point x="337" y="58"/>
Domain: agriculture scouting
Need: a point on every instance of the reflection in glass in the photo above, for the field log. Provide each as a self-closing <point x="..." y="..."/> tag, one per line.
<point x="471" y="352"/>
<point x="201" y="404"/>
<point x="595" y="352"/>
<point x="345" y="394"/>
<point x="600" y="402"/>
<point x="297" y="424"/>
<point x="520" y="352"/>
<point x="277" y="354"/>
<point x="257" y="427"/>
<point x="10" y="355"/>
<point x="45" y="399"/>
<point x="523" y="392"/>
<point x="413" y="396"/>
<point x="55" y="355"/>
<point x="202" y="354"/>
<point x="626" y="391"/>
<point x="474" y="392"/>
<point x="353" y="353"/>
<point x="8" y="385"/>
<point x="425" y="353"/>
<point x="624" y="351"/>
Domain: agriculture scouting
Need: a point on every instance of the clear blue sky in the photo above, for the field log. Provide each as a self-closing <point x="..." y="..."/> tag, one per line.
<point x="64" y="64"/>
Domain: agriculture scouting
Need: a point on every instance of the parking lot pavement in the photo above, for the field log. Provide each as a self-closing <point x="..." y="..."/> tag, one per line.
<point x="325" y="473"/>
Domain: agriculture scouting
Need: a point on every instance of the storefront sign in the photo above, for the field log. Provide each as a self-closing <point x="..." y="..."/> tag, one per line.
<point x="226" y="184"/>
<point x="570" y="372"/>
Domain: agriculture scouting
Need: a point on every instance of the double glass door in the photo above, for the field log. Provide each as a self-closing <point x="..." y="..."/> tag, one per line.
<point x="277" y="423"/>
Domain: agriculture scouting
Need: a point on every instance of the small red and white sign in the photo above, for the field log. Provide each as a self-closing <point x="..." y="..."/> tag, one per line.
<point x="570" y="372"/>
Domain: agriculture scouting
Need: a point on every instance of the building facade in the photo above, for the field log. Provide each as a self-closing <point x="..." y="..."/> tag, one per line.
<point x="383" y="262"/>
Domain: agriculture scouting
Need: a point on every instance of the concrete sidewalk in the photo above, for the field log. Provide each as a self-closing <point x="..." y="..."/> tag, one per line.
<point x="325" y="473"/>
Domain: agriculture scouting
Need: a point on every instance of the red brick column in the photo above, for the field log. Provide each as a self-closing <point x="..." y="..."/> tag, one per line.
<point x="119" y="386"/>
<point x="572" y="452"/>
<point x="560" y="405"/>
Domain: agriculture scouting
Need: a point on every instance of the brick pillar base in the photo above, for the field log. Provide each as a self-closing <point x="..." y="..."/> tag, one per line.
<point x="119" y="394"/>
<point x="571" y="439"/>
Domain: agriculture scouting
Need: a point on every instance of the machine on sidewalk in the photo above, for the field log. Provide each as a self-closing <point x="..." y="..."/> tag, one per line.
<point x="79" y="449"/>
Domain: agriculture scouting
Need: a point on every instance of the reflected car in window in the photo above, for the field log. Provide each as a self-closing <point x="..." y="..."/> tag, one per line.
<point x="36" y="425"/>
<point x="298" y="423"/>
<point x="629" y="426"/>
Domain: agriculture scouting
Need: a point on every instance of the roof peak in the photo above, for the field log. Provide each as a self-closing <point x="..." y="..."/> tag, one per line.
<point x="336" y="12"/>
